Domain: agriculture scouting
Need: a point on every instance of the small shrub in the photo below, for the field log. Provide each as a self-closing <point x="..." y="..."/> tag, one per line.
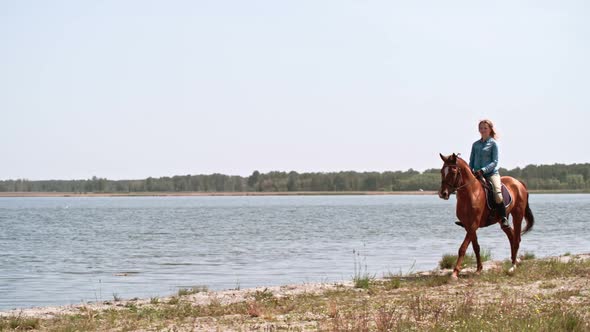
<point x="393" y="283"/>
<point x="566" y="294"/>
<point x="565" y="321"/>
<point x="263" y="295"/>
<point x="435" y="281"/>
<point x="572" y="322"/>
<point x="131" y="306"/>
<point x="21" y="323"/>
<point x="527" y="256"/>
<point x="448" y="261"/>
<point x="362" y="278"/>
<point x="192" y="290"/>
<point x="362" y="282"/>
<point x="547" y="285"/>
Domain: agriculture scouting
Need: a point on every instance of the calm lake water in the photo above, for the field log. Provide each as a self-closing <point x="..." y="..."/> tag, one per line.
<point x="56" y="251"/>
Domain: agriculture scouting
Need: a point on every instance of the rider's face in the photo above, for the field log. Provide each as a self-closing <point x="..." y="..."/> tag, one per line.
<point x="484" y="130"/>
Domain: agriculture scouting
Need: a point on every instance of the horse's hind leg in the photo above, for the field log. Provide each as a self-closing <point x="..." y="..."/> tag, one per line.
<point x="513" y="246"/>
<point x="517" y="217"/>
<point x="475" y="245"/>
<point x="462" y="250"/>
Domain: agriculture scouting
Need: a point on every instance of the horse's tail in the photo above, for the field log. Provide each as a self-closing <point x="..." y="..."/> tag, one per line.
<point x="528" y="214"/>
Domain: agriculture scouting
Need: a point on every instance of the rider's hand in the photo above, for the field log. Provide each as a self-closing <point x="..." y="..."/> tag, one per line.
<point x="479" y="173"/>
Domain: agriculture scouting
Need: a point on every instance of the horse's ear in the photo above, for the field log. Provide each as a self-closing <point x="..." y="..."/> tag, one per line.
<point x="453" y="158"/>
<point x="443" y="157"/>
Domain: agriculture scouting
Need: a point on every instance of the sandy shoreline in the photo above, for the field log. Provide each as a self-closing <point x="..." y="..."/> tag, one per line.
<point x="182" y="194"/>
<point x="227" y="297"/>
<point x="223" y="297"/>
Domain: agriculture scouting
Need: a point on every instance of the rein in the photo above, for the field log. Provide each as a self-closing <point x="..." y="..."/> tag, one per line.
<point x="457" y="178"/>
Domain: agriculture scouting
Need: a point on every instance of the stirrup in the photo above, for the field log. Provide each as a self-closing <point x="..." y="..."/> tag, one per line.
<point x="504" y="223"/>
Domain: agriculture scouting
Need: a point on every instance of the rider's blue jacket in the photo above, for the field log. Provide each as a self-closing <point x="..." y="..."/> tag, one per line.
<point x="484" y="156"/>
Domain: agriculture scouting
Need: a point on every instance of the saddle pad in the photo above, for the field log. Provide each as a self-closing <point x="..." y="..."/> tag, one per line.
<point x="491" y="201"/>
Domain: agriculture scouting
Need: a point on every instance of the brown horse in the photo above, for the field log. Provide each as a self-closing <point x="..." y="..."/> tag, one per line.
<point x="472" y="211"/>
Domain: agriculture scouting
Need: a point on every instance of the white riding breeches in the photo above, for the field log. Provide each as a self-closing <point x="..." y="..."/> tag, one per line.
<point x="497" y="187"/>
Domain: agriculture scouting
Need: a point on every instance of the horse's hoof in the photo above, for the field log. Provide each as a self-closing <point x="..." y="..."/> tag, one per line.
<point x="454" y="277"/>
<point x="512" y="270"/>
<point x="518" y="261"/>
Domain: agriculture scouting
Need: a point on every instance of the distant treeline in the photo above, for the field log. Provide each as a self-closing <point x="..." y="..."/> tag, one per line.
<point x="543" y="177"/>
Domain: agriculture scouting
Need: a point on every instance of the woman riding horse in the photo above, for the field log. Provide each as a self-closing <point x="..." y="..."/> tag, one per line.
<point x="458" y="177"/>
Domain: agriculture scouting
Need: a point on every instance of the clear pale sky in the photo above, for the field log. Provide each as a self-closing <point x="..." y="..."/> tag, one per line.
<point x="132" y="89"/>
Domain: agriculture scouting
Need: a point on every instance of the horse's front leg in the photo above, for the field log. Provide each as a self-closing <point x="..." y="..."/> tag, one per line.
<point x="462" y="251"/>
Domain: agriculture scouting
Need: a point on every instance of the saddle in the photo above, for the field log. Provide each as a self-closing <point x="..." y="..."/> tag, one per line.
<point x="491" y="200"/>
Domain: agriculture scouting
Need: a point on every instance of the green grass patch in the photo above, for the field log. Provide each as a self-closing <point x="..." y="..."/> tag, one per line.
<point x="448" y="261"/>
<point x="392" y="283"/>
<point x="263" y="295"/>
<point x="547" y="285"/>
<point x="192" y="290"/>
<point x="19" y="323"/>
<point x="361" y="279"/>
<point x="553" y="268"/>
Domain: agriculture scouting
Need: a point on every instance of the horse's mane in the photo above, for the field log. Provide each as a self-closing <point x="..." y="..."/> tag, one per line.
<point x="460" y="161"/>
<point x="463" y="161"/>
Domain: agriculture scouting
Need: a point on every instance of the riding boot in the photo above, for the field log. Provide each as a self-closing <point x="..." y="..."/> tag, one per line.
<point x="502" y="214"/>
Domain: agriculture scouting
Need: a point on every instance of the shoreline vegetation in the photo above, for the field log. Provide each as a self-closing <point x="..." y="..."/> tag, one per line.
<point x="575" y="177"/>
<point x="544" y="294"/>
<point x="247" y="193"/>
<point x="199" y="193"/>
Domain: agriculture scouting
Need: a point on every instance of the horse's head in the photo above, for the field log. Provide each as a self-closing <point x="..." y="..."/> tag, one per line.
<point x="450" y="176"/>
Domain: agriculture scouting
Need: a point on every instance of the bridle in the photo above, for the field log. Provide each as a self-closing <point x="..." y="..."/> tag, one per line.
<point x="458" y="178"/>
